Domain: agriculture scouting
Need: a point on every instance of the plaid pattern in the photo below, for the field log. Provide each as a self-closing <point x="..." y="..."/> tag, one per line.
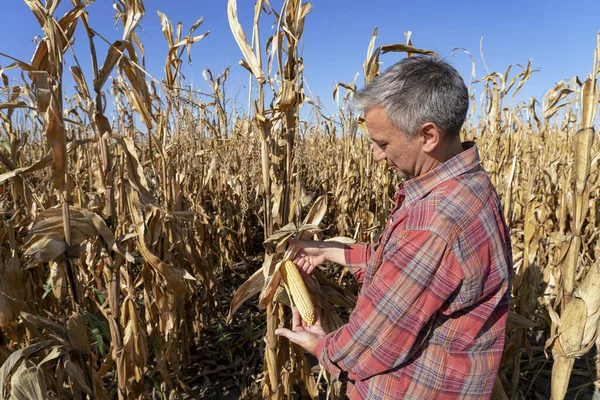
<point x="430" y="317"/>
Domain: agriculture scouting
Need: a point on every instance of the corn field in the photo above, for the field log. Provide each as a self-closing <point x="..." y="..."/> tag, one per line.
<point x="140" y="249"/>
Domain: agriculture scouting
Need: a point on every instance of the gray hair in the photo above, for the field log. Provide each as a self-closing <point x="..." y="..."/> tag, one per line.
<point x="417" y="90"/>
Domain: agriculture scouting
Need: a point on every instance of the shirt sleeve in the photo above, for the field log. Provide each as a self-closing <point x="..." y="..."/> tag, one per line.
<point x="417" y="275"/>
<point x="357" y="255"/>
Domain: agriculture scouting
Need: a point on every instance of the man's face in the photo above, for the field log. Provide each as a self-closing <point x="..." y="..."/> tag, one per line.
<point x="391" y="144"/>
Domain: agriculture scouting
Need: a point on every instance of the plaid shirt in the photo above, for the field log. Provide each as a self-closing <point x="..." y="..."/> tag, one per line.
<point x="430" y="317"/>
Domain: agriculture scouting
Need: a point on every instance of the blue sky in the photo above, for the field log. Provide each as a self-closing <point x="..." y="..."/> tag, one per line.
<point x="559" y="37"/>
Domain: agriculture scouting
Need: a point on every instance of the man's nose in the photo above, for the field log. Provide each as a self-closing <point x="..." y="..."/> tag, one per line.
<point x="378" y="154"/>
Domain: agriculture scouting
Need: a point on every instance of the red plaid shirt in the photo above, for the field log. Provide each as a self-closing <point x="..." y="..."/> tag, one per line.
<point x="430" y="317"/>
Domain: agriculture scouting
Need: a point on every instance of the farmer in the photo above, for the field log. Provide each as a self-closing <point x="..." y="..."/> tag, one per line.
<point x="430" y="317"/>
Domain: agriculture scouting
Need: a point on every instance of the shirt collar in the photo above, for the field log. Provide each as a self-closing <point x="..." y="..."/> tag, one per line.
<point x="414" y="189"/>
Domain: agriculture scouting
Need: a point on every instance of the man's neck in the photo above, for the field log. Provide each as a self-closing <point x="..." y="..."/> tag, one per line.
<point x="454" y="149"/>
<point x="439" y="157"/>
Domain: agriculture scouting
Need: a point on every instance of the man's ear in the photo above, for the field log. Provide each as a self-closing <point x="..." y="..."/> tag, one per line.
<point x="430" y="136"/>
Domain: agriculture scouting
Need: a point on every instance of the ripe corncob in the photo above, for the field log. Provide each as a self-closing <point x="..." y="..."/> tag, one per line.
<point x="298" y="291"/>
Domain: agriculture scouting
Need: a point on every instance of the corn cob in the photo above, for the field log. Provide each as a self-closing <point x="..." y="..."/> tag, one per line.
<point x="298" y="291"/>
<point x="77" y="333"/>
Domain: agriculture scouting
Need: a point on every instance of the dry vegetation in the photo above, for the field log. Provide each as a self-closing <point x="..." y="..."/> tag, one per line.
<point x="132" y="245"/>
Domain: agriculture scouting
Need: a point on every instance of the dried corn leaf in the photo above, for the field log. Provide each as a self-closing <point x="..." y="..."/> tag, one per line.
<point x="138" y="95"/>
<point x="77" y="376"/>
<point x="42" y="163"/>
<point x="280" y="237"/>
<point x="6" y="308"/>
<point x="135" y="171"/>
<point x="166" y="27"/>
<point x="13" y="275"/>
<point x="47" y="324"/>
<point x="517" y="321"/>
<point x="270" y="288"/>
<point x="28" y="383"/>
<point x="133" y="14"/>
<point x="589" y="102"/>
<point x="240" y="38"/>
<point x="175" y="276"/>
<point x="13" y="360"/>
<point x="115" y="52"/>
<point x="371" y="63"/>
<point x="317" y="212"/>
<point x="589" y="292"/>
<point x="44" y="249"/>
<point x="399" y="47"/>
<point x="46" y="240"/>
<point x="134" y="339"/>
<point x="251" y="287"/>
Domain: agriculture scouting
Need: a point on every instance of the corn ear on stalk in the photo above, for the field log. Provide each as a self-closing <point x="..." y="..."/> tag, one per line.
<point x="77" y="333"/>
<point x="298" y="291"/>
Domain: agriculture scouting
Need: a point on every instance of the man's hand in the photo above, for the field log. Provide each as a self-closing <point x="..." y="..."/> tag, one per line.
<point x="315" y="253"/>
<point x="311" y="255"/>
<point x="303" y="334"/>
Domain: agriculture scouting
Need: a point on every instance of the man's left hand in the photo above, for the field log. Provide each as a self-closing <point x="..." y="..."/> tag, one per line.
<point x="303" y="334"/>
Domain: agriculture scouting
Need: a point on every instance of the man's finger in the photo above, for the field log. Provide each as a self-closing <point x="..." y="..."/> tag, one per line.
<point x="300" y="262"/>
<point x="303" y="268"/>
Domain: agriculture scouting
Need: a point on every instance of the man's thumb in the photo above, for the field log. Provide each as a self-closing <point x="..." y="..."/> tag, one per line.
<point x="304" y="244"/>
<point x="297" y="243"/>
<point x="291" y="335"/>
<point x="282" y="332"/>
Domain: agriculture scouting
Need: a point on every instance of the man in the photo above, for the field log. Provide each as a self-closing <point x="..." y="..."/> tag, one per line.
<point x="430" y="317"/>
